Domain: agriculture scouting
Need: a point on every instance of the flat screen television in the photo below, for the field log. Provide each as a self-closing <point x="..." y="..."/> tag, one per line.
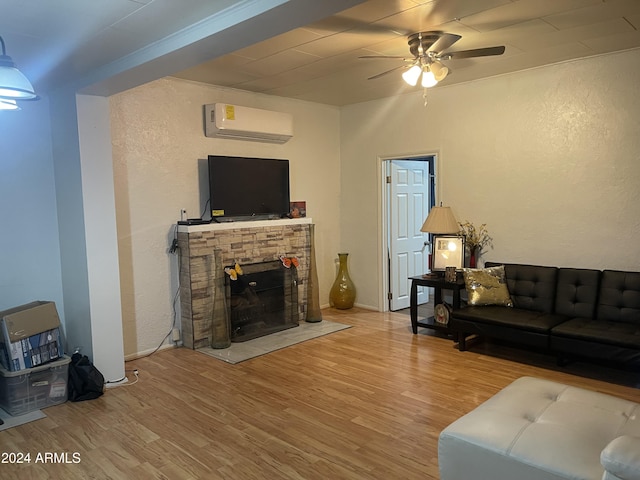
<point x="246" y="188"/>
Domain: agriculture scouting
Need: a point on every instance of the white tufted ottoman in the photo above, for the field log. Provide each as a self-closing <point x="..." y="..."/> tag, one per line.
<point x="537" y="430"/>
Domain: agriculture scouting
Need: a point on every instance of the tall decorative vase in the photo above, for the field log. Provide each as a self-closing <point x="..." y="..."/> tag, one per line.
<point x="314" y="314"/>
<point x="220" y="321"/>
<point x="343" y="291"/>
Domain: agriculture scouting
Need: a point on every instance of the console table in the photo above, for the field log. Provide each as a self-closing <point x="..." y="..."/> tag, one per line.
<point x="438" y="284"/>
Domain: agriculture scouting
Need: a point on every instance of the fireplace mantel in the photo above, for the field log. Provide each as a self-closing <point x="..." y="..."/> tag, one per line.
<point x="243" y="224"/>
<point x="245" y="242"/>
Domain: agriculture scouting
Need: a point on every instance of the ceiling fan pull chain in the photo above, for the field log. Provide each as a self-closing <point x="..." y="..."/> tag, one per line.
<point x="424" y="96"/>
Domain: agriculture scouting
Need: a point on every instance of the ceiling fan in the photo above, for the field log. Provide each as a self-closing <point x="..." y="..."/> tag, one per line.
<point x="429" y="50"/>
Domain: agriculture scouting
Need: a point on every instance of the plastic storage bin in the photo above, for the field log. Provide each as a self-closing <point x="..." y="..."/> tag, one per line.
<point x="34" y="388"/>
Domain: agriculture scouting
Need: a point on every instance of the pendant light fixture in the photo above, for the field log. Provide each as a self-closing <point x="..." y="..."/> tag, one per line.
<point x="6" y="104"/>
<point x="13" y="84"/>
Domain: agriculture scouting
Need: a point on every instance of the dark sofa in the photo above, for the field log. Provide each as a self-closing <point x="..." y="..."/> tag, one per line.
<point x="569" y="311"/>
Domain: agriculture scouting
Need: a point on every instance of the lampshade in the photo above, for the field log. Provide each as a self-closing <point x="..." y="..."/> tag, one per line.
<point x="441" y="221"/>
<point x="13" y="84"/>
<point x="411" y="76"/>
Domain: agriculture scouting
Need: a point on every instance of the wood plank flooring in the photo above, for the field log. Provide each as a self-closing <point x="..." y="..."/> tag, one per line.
<point x="364" y="403"/>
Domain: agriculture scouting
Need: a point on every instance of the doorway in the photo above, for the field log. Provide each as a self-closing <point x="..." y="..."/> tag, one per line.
<point x="409" y="194"/>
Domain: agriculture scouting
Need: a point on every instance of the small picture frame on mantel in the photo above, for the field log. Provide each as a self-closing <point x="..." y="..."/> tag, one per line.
<point x="298" y="209"/>
<point x="448" y="251"/>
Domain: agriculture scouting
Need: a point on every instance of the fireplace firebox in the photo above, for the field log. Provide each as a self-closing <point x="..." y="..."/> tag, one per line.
<point x="263" y="300"/>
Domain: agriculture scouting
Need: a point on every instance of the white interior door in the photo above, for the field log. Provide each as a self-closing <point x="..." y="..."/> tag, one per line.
<point x="409" y="206"/>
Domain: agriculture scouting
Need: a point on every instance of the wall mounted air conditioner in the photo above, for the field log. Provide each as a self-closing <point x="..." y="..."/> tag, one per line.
<point x="224" y="120"/>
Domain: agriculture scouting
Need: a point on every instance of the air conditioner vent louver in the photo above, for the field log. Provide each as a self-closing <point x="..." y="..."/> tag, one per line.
<point x="224" y="120"/>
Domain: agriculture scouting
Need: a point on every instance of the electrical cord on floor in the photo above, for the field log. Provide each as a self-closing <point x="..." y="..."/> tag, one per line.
<point x="121" y="382"/>
<point x="175" y="318"/>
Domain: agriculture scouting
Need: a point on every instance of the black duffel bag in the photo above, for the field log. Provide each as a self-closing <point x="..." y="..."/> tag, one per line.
<point x="85" y="380"/>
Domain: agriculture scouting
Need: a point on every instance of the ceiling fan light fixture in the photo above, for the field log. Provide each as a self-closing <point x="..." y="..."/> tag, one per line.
<point x="411" y="76"/>
<point x="440" y="72"/>
<point x="13" y="83"/>
<point x="428" y="79"/>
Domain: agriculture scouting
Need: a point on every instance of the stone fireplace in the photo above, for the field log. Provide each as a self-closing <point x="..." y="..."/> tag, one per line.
<point x="257" y="246"/>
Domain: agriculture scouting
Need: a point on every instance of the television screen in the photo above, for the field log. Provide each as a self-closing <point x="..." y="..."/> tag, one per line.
<point x="248" y="187"/>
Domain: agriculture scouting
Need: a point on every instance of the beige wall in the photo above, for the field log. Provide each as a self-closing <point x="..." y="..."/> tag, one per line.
<point x="159" y="147"/>
<point x="548" y="158"/>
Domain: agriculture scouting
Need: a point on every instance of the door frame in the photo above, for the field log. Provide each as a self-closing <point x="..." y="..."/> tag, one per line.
<point x="383" y="220"/>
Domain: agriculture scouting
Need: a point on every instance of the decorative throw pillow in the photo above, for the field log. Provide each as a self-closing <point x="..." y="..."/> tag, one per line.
<point x="487" y="286"/>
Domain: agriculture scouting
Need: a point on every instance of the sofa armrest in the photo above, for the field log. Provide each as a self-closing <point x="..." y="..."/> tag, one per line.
<point x="621" y="458"/>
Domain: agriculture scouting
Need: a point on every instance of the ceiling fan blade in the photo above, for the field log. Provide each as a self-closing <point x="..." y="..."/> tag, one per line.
<point x="444" y="42"/>
<point x="478" y="52"/>
<point x="386" y="72"/>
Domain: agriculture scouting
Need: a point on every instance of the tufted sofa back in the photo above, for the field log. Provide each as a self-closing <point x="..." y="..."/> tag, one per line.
<point x="531" y="287"/>
<point x="577" y="293"/>
<point x="619" y="299"/>
<point x="609" y="295"/>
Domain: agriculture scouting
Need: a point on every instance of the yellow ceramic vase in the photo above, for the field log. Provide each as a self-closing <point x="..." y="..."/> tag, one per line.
<point x="343" y="291"/>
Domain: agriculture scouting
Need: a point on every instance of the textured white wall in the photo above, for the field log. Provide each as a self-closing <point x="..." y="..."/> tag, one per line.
<point x="159" y="154"/>
<point x="549" y="158"/>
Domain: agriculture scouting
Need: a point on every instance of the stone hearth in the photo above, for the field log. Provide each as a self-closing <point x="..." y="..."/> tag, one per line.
<point x="203" y="247"/>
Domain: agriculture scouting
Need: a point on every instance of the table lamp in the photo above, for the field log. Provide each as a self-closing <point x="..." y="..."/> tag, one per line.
<point x="440" y="221"/>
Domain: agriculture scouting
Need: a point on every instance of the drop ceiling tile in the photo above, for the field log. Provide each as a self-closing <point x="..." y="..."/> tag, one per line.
<point x="611" y="43"/>
<point x="520" y="11"/>
<point x="417" y="19"/>
<point x="436" y="14"/>
<point x="278" y="63"/>
<point x="341" y="42"/>
<point x="267" y="83"/>
<point x="634" y="20"/>
<point x="215" y="74"/>
<point x="524" y="35"/>
<point x="292" y="39"/>
<point x="360" y="17"/>
<point x="331" y="64"/>
<point x="230" y="61"/>
<point x="374" y="10"/>
<point x="396" y="46"/>
<point x="595" y="13"/>
<point x="540" y="40"/>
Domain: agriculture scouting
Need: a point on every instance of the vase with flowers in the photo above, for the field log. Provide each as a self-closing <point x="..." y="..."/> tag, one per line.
<point x="476" y="240"/>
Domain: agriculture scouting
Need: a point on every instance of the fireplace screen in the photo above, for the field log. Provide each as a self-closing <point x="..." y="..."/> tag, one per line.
<point x="262" y="301"/>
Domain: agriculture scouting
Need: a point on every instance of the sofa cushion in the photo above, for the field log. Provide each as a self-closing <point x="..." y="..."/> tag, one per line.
<point x="509" y="317"/>
<point x="577" y="292"/>
<point x="619" y="298"/>
<point x="614" y="333"/>
<point x="487" y="286"/>
<point x="531" y="287"/>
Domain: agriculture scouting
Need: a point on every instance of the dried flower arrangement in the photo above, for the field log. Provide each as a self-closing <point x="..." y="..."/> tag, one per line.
<point x="476" y="239"/>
